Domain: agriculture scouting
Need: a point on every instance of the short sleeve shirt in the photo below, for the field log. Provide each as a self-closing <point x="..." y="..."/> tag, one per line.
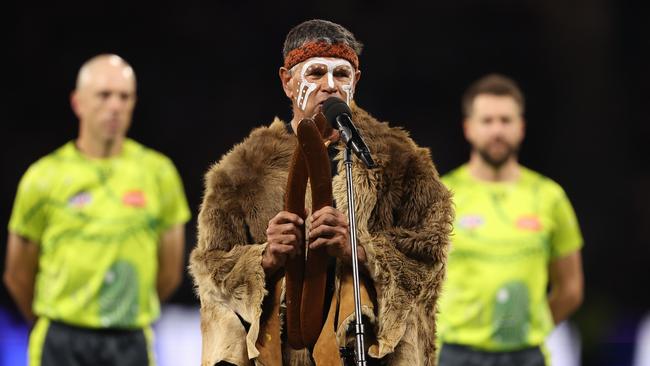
<point x="505" y="235"/>
<point x="98" y="224"/>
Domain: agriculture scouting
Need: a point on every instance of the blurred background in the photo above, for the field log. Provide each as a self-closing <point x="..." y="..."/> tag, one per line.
<point x="207" y="74"/>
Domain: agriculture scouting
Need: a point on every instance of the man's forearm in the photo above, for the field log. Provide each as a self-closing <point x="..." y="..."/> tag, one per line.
<point x="567" y="286"/>
<point x="171" y="254"/>
<point x="166" y="285"/>
<point x="22" y="292"/>
<point x="21" y="266"/>
<point x="563" y="304"/>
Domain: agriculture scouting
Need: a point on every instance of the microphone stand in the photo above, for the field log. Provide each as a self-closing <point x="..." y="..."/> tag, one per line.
<point x="358" y="325"/>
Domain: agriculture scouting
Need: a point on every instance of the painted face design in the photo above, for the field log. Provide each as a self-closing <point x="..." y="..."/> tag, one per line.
<point x="317" y="67"/>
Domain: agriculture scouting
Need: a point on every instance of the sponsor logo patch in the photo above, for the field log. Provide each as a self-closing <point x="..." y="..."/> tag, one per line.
<point x="471" y="221"/>
<point x="529" y="223"/>
<point x="134" y="198"/>
<point x="80" y="200"/>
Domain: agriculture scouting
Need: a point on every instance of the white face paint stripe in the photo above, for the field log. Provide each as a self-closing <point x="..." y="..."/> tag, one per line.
<point x="349" y="92"/>
<point x="330" y="78"/>
<point x="306" y="88"/>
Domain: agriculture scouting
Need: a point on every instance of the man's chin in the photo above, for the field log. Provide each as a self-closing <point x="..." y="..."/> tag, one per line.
<point x="496" y="161"/>
<point x="311" y="112"/>
<point x="111" y="138"/>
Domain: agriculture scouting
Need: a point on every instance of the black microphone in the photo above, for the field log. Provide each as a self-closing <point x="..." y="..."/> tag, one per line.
<point x="339" y="116"/>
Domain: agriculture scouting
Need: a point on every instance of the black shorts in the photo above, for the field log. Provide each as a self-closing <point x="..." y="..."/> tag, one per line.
<point x="62" y="344"/>
<point x="459" y="355"/>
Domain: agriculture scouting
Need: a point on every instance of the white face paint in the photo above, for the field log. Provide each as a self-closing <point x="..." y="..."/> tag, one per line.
<point x="306" y="88"/>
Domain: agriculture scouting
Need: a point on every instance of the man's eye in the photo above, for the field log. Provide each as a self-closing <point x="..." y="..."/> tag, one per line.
<point x="104" y="94"/>
<point x="341" y="74"/>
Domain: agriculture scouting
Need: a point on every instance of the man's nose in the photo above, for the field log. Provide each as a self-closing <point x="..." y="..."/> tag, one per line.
<point x="328" y="86"/>
<point x="327" y="83"/>
<point x="497" y="127"/>
<point x="115" y="102"/>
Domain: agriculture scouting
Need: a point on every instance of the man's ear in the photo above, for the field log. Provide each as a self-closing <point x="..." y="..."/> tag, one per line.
<point x="357" y="76"/>
<point x="285" y="78"/>
<point x="466" y="131"/>
<point x="74" y="103"/>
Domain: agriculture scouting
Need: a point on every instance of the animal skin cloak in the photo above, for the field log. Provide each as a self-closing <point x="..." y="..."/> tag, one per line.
<point x="404" y="217"/>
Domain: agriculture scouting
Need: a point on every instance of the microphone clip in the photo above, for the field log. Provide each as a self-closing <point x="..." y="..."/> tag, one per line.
<point x="339" y="115"/>
<point x="354" y="141"/>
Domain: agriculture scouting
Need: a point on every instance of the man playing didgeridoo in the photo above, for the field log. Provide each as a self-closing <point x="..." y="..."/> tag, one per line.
<point x="248" y="238"/>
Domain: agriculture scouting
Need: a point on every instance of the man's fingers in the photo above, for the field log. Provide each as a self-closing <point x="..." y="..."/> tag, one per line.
<point x="278" y="229"/>
<point x="320" y="242"/>
<point x="286" y="239"/>
<point x="336" y="243"/>
<point x="327" y="231"/>
<point x="284" y="217"/>
<point x="285" y="249"/>
<point x="326" y="219"/>
<point x="320" y="231"/>
<point x="329" y="218"/>
<point x="324" y="211"/>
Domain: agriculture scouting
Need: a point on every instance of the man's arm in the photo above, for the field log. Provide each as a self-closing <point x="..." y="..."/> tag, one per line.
<point x="19" y="277"/>
<point x="171" y="257"/>
<point x="567" y="286"/>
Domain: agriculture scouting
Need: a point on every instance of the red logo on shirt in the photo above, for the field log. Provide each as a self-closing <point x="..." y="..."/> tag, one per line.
<point x="134" y="198"/>
<point x="529" y="222"/>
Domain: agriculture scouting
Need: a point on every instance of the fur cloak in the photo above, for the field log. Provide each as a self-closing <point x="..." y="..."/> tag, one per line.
<point x="404" y="217"/>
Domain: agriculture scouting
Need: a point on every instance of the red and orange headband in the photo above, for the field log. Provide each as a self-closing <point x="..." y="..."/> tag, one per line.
<point x="321" y="49"/>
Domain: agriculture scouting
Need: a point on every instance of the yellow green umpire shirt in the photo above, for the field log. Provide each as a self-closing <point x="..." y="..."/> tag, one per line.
<point x="98" y="223"/>
<point x="505" y="235"/>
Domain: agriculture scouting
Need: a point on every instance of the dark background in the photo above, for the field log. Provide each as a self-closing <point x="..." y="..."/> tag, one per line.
<point x="207" y="74"/>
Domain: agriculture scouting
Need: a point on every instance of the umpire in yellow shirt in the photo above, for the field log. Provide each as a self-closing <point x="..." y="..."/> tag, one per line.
<point x="515" y="232"/>
<point x="96" y="236"/>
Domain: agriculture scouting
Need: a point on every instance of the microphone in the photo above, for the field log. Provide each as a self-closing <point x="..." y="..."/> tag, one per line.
<point x="339" y="116"/>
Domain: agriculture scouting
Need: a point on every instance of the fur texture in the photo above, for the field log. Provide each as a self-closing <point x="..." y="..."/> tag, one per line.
<point x="404" y="216"/>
